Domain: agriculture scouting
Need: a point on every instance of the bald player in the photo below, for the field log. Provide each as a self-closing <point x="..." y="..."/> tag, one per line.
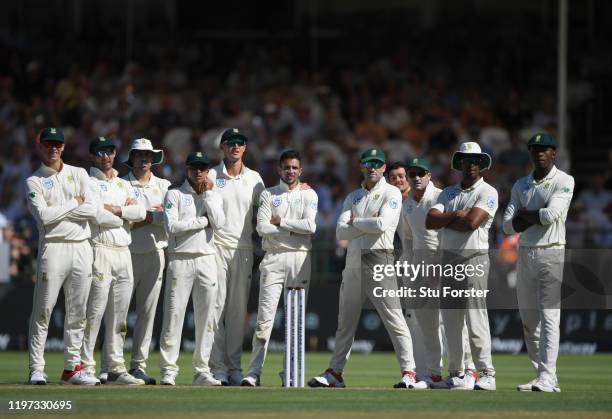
<point x="537" y="210"/>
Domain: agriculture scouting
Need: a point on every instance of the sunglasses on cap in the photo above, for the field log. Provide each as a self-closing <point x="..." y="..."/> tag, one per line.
<point x="372" y="164"/>
<point x="415" y="173"/>
<point x="105" y="152"/>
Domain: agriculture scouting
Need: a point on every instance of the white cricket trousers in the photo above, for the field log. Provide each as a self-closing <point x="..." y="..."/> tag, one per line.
<point x="538" y="289"/>
<point x="67" y="265"/>
<point x="234" y="270"/>
<point x="194" y="275"/>
<point x="279" y="270"/>
<point x="148" y="273"/>
<point x="353" y="293"/>
<point x="109" y="298"/>
<point x="473" y="313"/>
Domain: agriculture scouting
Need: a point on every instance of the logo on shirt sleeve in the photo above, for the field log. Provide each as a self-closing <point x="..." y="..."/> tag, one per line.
<point x="451" y="194"/>
<point x="187" y="200"/>
<point x="490" y="202"/>
<point x="314" y="205"/>
<point x="220" y="182"/>
<point x="32" y="195"/>
<point x="103" y="187"/>
<point x="357" y="199"/>
<point x="169" y="205"/>
<point x="566" y="189"/>
<point x="277" y="200"/>
<point x="393" y="203"/>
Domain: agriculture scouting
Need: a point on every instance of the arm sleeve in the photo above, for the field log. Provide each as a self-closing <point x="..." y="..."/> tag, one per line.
<point x="345" y="231"/>
<point x="440" y="204"/>
<point x="257" y="190"/>
<point x="307" y="224"/>
<point x="513" y="206"/>
<point x="133" y="213"/>
<point x="388" y="216"/>
<point x="37" y="205"/>
<point x="171" y="216"/>
<point x="264" y="213"/>
<point x="488" y="201"/>
<point x="559" y="202"/>
<point x="213" y="204"/>
<point x="89" y="209"/>
<point x="158" y="216"/>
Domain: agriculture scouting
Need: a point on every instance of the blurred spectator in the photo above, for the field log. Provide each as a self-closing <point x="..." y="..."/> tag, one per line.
<point x="594" y="199"/>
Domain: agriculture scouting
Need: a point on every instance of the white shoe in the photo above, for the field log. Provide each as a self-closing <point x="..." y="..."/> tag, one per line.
<point x="408" y="380"/>
<point x="250" y="381"/>
<point x="205" y="379"/>
<point x="37" y="378"/>
<point x="527" y="386"/>
<point x="485" y="382"/>
<point x="123" y="378"/>
<point x="103" y="377"/>
<point x="223" y="377"/>
<point x="140" y="373"/>
<point x="329" y="378"/>
<point x="545" y="386"/>
<point x="235" y="378"/>
<point x="167" y="378"/>
<point x="79" y="377"/>
<point x="470" y="378"/>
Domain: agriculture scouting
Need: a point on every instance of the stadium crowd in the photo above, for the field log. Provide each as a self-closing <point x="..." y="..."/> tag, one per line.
<point x="329" y="115"/>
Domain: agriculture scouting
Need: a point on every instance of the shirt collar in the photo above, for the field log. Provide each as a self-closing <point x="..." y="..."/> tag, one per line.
<point x="224" y="171"/>
<point x="379" y="185"/>
<point x="549" y="176"/>
<point x="285" y="188"/>
<point x="136" y="183"/>
<point x="471" y="188"/>
<point x="99" y="174"/>
<point x="46" y="170"/>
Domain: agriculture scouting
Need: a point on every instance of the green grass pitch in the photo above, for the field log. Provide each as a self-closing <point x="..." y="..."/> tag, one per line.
<point x="586" y="383"/>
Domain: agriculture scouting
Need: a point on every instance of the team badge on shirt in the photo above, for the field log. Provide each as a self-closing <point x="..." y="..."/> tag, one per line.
<point x="47" y="183"/>
<point x="393" y="203"/>
<point x="187" y="200"/>
<point x="490" y="202"/>
<point x="277" y="200"/>
<point x="220" y="182"/>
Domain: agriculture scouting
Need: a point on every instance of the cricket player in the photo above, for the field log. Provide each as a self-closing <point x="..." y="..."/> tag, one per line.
<point x="537" y="210"/>
<point x="240" y="188"/>
<point x="111" y="288"/>
<point x="61" y="202"/>
<point x="286" y="222"/>
<point x="368" y="221"/>
<point x="149" y="239"/>
<point x="191" y="213"/>
<point x="465" y="213"/>
<point x="421" y="244"/>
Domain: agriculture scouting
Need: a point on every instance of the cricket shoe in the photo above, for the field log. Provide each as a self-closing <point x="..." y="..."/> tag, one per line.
<point x="486" y="381"/>
<point x="235" y="378"/>
<point x="167" y="378"/>
<point x="38" y="378"/>
<point x="329" y="378"/>
<point x="545" y="386"/>
<point x="409" y="381"/>
<point x="250" y="381"/>
<point x="205" y="379"/>
<point x="78" y="377"/>
<point x="223" y="377"/>
<point x="123" y="378"/>
<point x="103" y="377"/>
<point x="140" y="374"/>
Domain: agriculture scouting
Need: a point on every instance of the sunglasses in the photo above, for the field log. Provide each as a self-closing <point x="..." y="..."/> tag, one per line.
<point x="472" y="160"/>
<point x="197" y="167"/>
<point x="53" y="144"/>
<point x="373" y="164"/>
<point x="238" y="143"/>
<point x="106" y="152"/>
<point x="420" y="173"/>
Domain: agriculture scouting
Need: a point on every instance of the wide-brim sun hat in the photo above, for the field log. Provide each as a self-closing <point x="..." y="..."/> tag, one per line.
<point x="471" y="149"/>
<point x="143" y="144"/>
